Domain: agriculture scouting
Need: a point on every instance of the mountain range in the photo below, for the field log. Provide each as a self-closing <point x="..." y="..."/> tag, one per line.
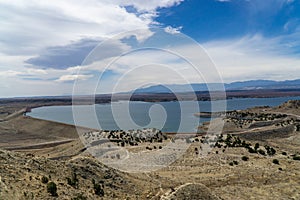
<point x="241" y="85"/>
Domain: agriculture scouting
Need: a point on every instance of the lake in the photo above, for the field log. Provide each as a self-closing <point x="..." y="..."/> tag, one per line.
<point x="167" y="116"/>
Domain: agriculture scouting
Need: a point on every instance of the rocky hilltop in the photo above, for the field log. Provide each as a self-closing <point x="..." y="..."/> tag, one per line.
<point x="25" y="176"/>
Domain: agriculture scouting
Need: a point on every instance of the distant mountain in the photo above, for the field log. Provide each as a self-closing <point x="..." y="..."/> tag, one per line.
<point x="263" y="84"/>
<point x="243" y="85"/>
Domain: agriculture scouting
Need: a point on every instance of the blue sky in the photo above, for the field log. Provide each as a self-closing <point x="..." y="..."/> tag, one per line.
<point x="208" y="20"/>
<point x="44" y="46"/>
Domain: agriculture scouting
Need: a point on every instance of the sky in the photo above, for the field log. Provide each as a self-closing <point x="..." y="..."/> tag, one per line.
<point x="62" y="47"/>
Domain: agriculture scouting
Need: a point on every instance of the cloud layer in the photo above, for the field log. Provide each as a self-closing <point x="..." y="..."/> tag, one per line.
<point x="43" y="43"/>
<point x="55" y="35"/>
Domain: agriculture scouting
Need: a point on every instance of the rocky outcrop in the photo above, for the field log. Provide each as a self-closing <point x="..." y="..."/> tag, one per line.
<point x="295" y="104"/>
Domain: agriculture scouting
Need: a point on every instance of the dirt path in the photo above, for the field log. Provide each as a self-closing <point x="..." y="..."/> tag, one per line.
<point x="41" y="145"/>
<point x="14" y="115"/>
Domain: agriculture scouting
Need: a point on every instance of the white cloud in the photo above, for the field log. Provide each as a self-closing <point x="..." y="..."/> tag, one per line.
<point x="67" y="78"/>
<point x="146" y="6"/>
<point x="27" y="72"/>
<point x="246" y="58"/>
<point x="151" y="66"/>
<point x="172" y="30"/>
<point x="29" y="28"/>
<point x="254" y="57"/>
<point x="9" y="73"/>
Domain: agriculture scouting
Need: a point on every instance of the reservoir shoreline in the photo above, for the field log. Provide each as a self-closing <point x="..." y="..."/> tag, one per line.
<point x="140" y="110"/>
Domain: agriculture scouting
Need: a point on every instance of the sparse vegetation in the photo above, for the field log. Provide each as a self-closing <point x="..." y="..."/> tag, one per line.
<point x="270" y="151"/>
<point x="73" y="181"/>
<point x="296" y="157"/>
<point x="98" y="188"/>
<point x="23" y="174"/>
<point x="261" y="152"/>
<point x="52" y="189"/>
<point x="275" y="161"/>
<point x="256" y="146"/>
<point x="245" y="158"/>
<point x="250" y="150"/>
<point x="235" y="142"/>
<point x="234" y="163"/>
<point x="44" y="179"/>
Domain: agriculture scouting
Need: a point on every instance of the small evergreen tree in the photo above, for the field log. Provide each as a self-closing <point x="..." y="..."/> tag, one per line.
<point x="256" y="146"/>
<point x="296" y="157"/>
<point x="275" y="161"/>
<point x="73" y="181"/>
<point x="98" y="189"/>
<point x="262" y="152"/>
<point x="52" y="189"/>
<point x="245" y="158"/>
<point x="44" y="179"/>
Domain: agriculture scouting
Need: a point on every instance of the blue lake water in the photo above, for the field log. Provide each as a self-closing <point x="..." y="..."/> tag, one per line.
<point x="167" y="116"/>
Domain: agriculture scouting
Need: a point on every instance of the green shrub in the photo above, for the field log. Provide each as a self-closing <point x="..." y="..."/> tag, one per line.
<point x="252" y="150"/>
<point x="73" y="181"/>
<point x="256" y="146"/>
<point x="297" y="127"/>
<point x="245" y="158"/>
<point x="44" y="179"/>
<point x="52" y="189"/>
<point x="262" y="152"/>
<point x="296" y="157"/>
<point x="275" y="161"/>
<point x="235" y="162"/>
<point x="284" y="153"/>
<point x="231" y="163"/>
<point x="98" y="189"/>
<point x="270" y="151"/>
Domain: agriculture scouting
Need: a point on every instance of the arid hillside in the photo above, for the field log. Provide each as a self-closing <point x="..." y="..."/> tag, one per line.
<point x="257" y="156"/>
